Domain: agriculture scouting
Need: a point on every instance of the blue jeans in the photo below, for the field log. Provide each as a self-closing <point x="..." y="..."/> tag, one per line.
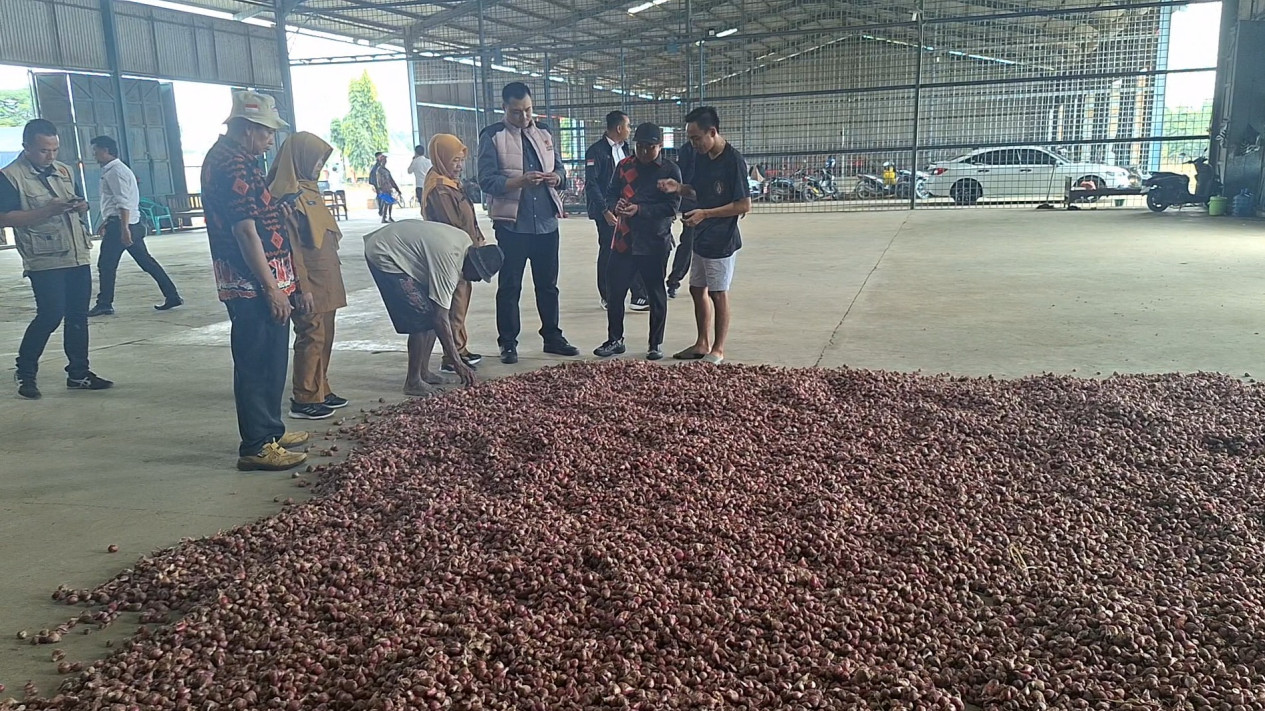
<point x="60" y="295"/>
<point x="261" y="355"/>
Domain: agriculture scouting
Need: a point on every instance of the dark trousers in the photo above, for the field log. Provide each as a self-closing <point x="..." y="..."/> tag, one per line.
<point x="261" y="353"/>
<point x="112" y="251"/>
<point x="605" y="233"/>
<point x="623" y="270"/>
<point x="542" y="252"/>
<point x="60" y="295"/>
<point x="681" y="262"/>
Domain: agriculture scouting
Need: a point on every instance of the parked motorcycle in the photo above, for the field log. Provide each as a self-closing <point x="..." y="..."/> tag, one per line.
<point x="1166" y="189"/>
<point x="795" y="188"/>
<point x="825" y="181"/>
<point x="870" y="186"/>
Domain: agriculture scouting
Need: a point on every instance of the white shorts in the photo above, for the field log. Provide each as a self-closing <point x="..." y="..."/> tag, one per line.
<point x="712" y="274"/>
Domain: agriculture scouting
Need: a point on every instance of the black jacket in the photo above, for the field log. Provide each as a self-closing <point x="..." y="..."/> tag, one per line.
<point x="651" y="227"/>
<point x="599" y="169"/>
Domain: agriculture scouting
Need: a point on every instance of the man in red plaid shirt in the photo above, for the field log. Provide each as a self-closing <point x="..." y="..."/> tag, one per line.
<point x="642" y="240"/>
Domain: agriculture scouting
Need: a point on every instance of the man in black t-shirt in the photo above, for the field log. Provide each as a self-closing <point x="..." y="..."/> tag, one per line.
<point x="719" y="188"/>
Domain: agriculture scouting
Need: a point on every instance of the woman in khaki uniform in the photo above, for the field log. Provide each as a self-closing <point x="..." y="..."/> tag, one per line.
<point x="444" y="200"/>
<point x="314" y="237"/>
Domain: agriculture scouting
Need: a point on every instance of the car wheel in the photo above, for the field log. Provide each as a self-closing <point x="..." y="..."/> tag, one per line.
<point x="966" y="192"/>
<point x="1153" y="201"/>
<point x="1096" y="180"/>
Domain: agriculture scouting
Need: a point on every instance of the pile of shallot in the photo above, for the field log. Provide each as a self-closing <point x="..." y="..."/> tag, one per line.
<point x="631" y="536"/>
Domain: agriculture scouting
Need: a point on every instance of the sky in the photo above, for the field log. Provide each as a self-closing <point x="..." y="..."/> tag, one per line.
<point x="321" y="95"/>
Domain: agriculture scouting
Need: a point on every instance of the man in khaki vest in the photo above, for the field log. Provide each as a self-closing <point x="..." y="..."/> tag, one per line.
<point x="520" y="167"/>
<point x="38" y="200"/>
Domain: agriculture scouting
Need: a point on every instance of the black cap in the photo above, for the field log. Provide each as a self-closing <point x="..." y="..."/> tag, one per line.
<point x="487" y="260"/>
<point x="648" y="133"/>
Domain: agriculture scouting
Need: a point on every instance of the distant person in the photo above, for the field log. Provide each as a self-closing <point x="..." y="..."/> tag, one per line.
<point x="419" y="168"/>
<point x="444" y="200"/>
<point x="599" y="169"/>
<point x="384" y="183"/>
<point x="719" y="186"/>
<point x="642" y="240"/>
<point x="335" y="178"/>
<point x="121" y="230"/>
<point x="521" y="169"/>
<point x="314" y="236"/>
<point x="417" y="266"/>
<point x="255" y="278"/>
<point x="39" y="201"/>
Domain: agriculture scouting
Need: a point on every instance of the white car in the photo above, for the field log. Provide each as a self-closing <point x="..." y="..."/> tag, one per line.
<point x="1021" y="172"/>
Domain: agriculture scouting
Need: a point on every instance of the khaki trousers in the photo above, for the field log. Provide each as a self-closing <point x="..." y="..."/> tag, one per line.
<point x="457" y="316"/>
<point x="313" y="344"/>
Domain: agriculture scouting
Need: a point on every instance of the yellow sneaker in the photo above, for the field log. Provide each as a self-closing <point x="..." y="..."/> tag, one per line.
<point x="295" y="438"/>
<point x="272" y="458"/>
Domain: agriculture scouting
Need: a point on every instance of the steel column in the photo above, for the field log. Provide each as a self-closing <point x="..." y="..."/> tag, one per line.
<point x="913" y="151"/>
<point x="412" y="101"/>
<point x="547" y="90"/>
<point x="280" y="14"/>
<point x="110" y="32"/>
<point x="689" y="63"/>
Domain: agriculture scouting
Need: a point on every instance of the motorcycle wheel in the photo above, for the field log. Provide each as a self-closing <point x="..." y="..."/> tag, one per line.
<point x="1153" y="202"/>
<point x="902" y="191"/>
<point x="865" y="191"/>
<point x="812" y="194"/>
<point x="776" y="196"/>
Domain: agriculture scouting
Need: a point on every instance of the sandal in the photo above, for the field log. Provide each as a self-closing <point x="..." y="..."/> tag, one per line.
<point x="712" y="359"/>
<point x="688" y="354"/>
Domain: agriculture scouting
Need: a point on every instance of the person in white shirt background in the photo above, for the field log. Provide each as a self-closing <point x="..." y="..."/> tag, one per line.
<point x="121" y="230"/>
<point x="420" y="166"/>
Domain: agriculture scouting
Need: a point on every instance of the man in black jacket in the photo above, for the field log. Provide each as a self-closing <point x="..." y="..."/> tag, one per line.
<point x="643" y="216"/>
<point x="599" y="169"/>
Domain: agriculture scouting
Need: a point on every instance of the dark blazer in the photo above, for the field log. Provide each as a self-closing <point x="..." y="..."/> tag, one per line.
<point x="599" y="170"/>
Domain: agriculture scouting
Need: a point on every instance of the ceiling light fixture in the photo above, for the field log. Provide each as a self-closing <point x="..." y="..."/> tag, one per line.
<point x="726" y="33"/>
<point x="645" y="6"/>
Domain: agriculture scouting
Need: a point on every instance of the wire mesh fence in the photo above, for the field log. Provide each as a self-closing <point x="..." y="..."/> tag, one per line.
<point x="913" y="103"/>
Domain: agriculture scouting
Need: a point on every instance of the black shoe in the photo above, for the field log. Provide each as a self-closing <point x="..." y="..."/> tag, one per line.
<point x="334" y="402"/>
<point x="170" y="304"/>
<point x="603" y="304"/>
<point x="610" y="348"/>
<point x="671" y="292"/>
<point x="310" y="410"/>
<point x="472" y="359"/>
<point x="89" y="382"/>
<point x="509" y="355"/>
<point x="447" y="367"/>
<point x="27" y="387"/>
<point x="639" y="305"/>
<point x="655" y="354"/>
<point x="100" y="310"/>
<point x="561" y="348"/>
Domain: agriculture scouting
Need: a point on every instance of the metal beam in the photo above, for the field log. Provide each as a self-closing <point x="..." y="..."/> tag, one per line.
<point x="465" y="9"/>
<point x="111" y="37"/>
<point x="283" y="58"/>
<point x="248" y="14"/>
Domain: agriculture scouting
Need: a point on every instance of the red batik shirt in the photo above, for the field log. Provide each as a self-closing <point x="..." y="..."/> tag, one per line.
<point x="233" y="189"/>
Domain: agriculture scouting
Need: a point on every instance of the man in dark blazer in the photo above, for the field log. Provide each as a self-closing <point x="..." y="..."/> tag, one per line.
<point x="599" y="170"/>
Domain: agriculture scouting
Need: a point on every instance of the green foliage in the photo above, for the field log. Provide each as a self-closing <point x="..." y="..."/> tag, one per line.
<point x="363" y="131"/>
<point x="1187" y="121"/>
<point x="15" y="107"/>
<point x="336" y="138"/>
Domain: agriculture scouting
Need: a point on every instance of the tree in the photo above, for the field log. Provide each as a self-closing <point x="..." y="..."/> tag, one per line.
<point x="1187" y="121"/>
<point x="336" y="138"/>
<point x="15" y="107"/>
<point x="363" y="131"/>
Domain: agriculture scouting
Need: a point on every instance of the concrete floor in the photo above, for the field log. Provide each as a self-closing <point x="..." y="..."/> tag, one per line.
<point x="1006" y="292"/>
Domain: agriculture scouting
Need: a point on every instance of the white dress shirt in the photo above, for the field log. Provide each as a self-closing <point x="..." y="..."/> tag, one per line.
<point x="419" y="168"/>
<point x="119" y="191"/>
<point x="617" y="150"/>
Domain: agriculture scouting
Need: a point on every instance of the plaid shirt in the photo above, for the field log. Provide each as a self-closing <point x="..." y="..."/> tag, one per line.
<point x="233" y="189"/>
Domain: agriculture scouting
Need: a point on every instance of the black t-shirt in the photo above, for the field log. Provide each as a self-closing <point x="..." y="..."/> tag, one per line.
<point x="719" y="182"/>
<point x="10" y="201"/>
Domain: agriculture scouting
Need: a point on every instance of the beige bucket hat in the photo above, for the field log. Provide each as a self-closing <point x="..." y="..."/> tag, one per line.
<point x="256" y="108"/>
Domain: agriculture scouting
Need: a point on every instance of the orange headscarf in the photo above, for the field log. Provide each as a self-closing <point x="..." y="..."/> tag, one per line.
<point x="443" y="148"/>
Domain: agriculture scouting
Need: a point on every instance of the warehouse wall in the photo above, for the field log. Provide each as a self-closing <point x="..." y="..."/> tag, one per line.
<point x="66" y="34"/>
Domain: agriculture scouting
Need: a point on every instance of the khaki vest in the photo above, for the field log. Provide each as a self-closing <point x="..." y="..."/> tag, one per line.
<point x="509" y="148"/>
<point x="58" y="242"/>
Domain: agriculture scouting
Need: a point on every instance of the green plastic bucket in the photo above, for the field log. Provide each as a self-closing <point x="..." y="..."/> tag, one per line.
<point x="1217" y="206"/>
